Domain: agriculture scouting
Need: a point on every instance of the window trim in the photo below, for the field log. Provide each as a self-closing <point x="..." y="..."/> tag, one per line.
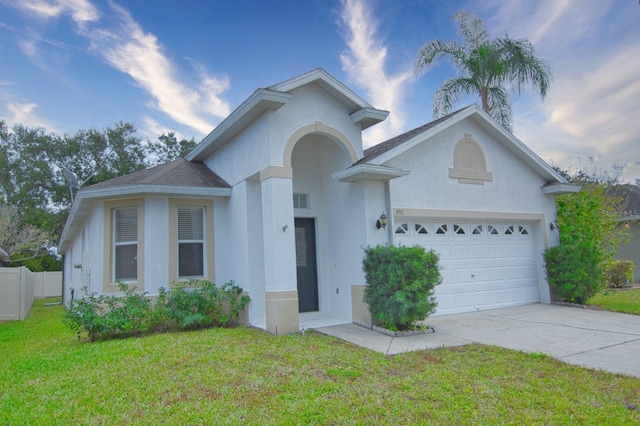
<point x="208" y="248"/>
<point x="477" y="176"/>
<point x="109" y="283"/>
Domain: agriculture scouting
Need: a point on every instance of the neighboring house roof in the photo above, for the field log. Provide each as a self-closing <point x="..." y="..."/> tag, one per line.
<point x="385" y="151"/>
<point x="630" y="195"/>
<point x="274" y="97"/>
<point x="179" y="178"/>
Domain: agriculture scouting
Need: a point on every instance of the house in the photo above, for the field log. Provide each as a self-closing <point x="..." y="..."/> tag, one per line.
<point x="281" y="198"/>
<point x="630" y="217"/>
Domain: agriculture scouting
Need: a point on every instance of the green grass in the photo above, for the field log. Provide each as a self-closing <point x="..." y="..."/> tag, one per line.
<point x="245" y="376"/>
<point x="627" y="301"/>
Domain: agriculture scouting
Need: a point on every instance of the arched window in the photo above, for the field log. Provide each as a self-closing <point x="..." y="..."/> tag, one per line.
<point x="469" y="164"/>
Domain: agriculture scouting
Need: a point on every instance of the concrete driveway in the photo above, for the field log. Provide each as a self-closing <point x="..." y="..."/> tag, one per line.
<point x="594" y="339"/>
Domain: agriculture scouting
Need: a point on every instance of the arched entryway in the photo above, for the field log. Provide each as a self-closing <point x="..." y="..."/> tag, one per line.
<point x="319" y="210"/>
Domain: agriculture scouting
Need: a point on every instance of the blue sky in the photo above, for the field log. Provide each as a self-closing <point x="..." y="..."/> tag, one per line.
<point x="183" y="66"/>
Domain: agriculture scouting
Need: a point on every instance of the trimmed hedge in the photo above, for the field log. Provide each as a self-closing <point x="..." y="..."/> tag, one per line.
<point x="400" y="285"/>
<point x="573" y="271"/>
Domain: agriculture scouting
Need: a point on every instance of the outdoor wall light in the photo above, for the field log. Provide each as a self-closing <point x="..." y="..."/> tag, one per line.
<point x="382" y="221"/>
<point x="553" y="225"/>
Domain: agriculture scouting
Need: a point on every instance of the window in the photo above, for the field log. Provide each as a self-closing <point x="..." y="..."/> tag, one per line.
<point x="442" y="230"/>
<point x="123" y="240"/>
<point x="191" y="246"/>
<point x="469" y="164"/>
<point x="125" y="244"/>
<point x="191" y="243"/>
<point x="402" y="229"/>
<point x="459" y="230"/>
<point x="300" y="201"/>
<point x="420" y="229"/>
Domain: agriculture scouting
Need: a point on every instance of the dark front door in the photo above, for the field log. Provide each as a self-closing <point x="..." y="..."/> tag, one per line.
<point x="306" y="265"/>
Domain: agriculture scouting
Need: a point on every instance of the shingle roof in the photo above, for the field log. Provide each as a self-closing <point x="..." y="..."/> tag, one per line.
<point x="179" y="172"/>
<point x="388" y="145"/>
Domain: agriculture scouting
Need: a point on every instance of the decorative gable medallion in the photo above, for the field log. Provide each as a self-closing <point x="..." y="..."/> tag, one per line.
<point x="469" y="164"/>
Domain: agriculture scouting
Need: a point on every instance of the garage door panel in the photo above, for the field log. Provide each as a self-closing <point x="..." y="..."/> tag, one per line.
<point x="446" y="302"/>
<point x="483" y="298"/>
<point x="462" y="276"/>
<point x="500" y="296"/>
<point x="494" y="251"/>
<point x="465" y="301"/>
<point x="482" y="266"/>
<point x="478" y="251"/>
<point x="461" y="252"/>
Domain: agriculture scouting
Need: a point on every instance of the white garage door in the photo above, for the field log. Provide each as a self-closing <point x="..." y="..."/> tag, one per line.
<point x="485" y="265"/>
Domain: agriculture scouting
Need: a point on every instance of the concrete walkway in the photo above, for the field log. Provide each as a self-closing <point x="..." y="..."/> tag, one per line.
<point x="594" y="339"/>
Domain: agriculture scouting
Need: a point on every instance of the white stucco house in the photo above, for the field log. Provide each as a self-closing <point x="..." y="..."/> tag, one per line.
<point x="281" y="198"/>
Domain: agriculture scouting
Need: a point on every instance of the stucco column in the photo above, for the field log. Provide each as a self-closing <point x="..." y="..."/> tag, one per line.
<point x="281" y="288"/>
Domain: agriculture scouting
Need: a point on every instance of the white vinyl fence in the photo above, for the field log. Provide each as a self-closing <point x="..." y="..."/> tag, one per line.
<point x="19" y="286"/>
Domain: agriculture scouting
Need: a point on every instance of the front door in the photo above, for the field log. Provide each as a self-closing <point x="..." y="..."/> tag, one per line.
<point x="306" y="264"/>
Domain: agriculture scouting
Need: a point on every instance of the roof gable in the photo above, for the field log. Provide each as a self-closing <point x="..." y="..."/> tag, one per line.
<point x="385" y="151"/>
<point x="276" y="96"/>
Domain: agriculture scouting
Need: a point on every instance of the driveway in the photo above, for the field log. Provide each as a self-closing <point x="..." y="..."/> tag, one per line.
<point x="594" y="339"/>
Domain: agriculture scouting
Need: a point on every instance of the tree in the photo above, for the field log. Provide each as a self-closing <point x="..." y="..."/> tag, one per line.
<point x="32" y="163"/>
<point x="168" y="148"/>
<point x="590" y="234"/>
<point x="486" y="65"/>
<point x="18" y="239"/>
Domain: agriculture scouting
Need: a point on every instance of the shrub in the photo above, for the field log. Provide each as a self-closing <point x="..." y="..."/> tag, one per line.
<point x="618" y="273"/>
<point x="205" y="305"/>
<point x="573" y="271"/>
<point x="109" y="316"/>
<point x="400" y="284"/>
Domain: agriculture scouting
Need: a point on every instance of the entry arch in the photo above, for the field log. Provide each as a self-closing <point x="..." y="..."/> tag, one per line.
<point x="318" y="128"/>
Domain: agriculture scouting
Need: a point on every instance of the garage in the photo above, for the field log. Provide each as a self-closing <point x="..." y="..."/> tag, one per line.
<point x="485" y="264"/>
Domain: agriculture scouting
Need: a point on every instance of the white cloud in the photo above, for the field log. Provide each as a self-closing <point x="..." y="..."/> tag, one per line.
<point x="153" y="129"/>
<point x="81" y="11"/>
<point x="24" y="114"/>
<point x="592" y="106"/>
<point x="364" y="63"/>
<point x="139" y="54"/>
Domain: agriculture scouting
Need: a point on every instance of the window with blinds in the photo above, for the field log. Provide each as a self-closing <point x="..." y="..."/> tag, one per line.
<point x="125" y="244"/>
<point x="190" y="241"/>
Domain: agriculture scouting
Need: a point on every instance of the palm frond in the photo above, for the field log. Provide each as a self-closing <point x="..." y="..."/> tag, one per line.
<point x="433" y="52"/>
<point x="471" y="28"/>
<point x="450" y="92"/>
<point x="500" y="107"/>
<point x="521" y="66"/>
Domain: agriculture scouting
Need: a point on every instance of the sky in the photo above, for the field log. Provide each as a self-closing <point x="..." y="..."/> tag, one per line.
<point x="183" y="66"/>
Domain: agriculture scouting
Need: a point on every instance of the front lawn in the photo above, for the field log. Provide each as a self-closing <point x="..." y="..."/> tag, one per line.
<point x="245" y="376"/>
<point x="622" y="300"/>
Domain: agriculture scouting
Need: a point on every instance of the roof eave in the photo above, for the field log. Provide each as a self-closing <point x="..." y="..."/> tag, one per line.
<point x="329" y="83"/>
<point x="260" y="101"/>
<point x="560" y="188"/>
<point x="86" y="199"/>
<point x="362" y="172"/>
<point x="367" y="117"/>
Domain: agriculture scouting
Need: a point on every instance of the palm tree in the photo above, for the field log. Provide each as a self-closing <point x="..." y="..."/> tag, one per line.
<point x="486" y="65"/>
